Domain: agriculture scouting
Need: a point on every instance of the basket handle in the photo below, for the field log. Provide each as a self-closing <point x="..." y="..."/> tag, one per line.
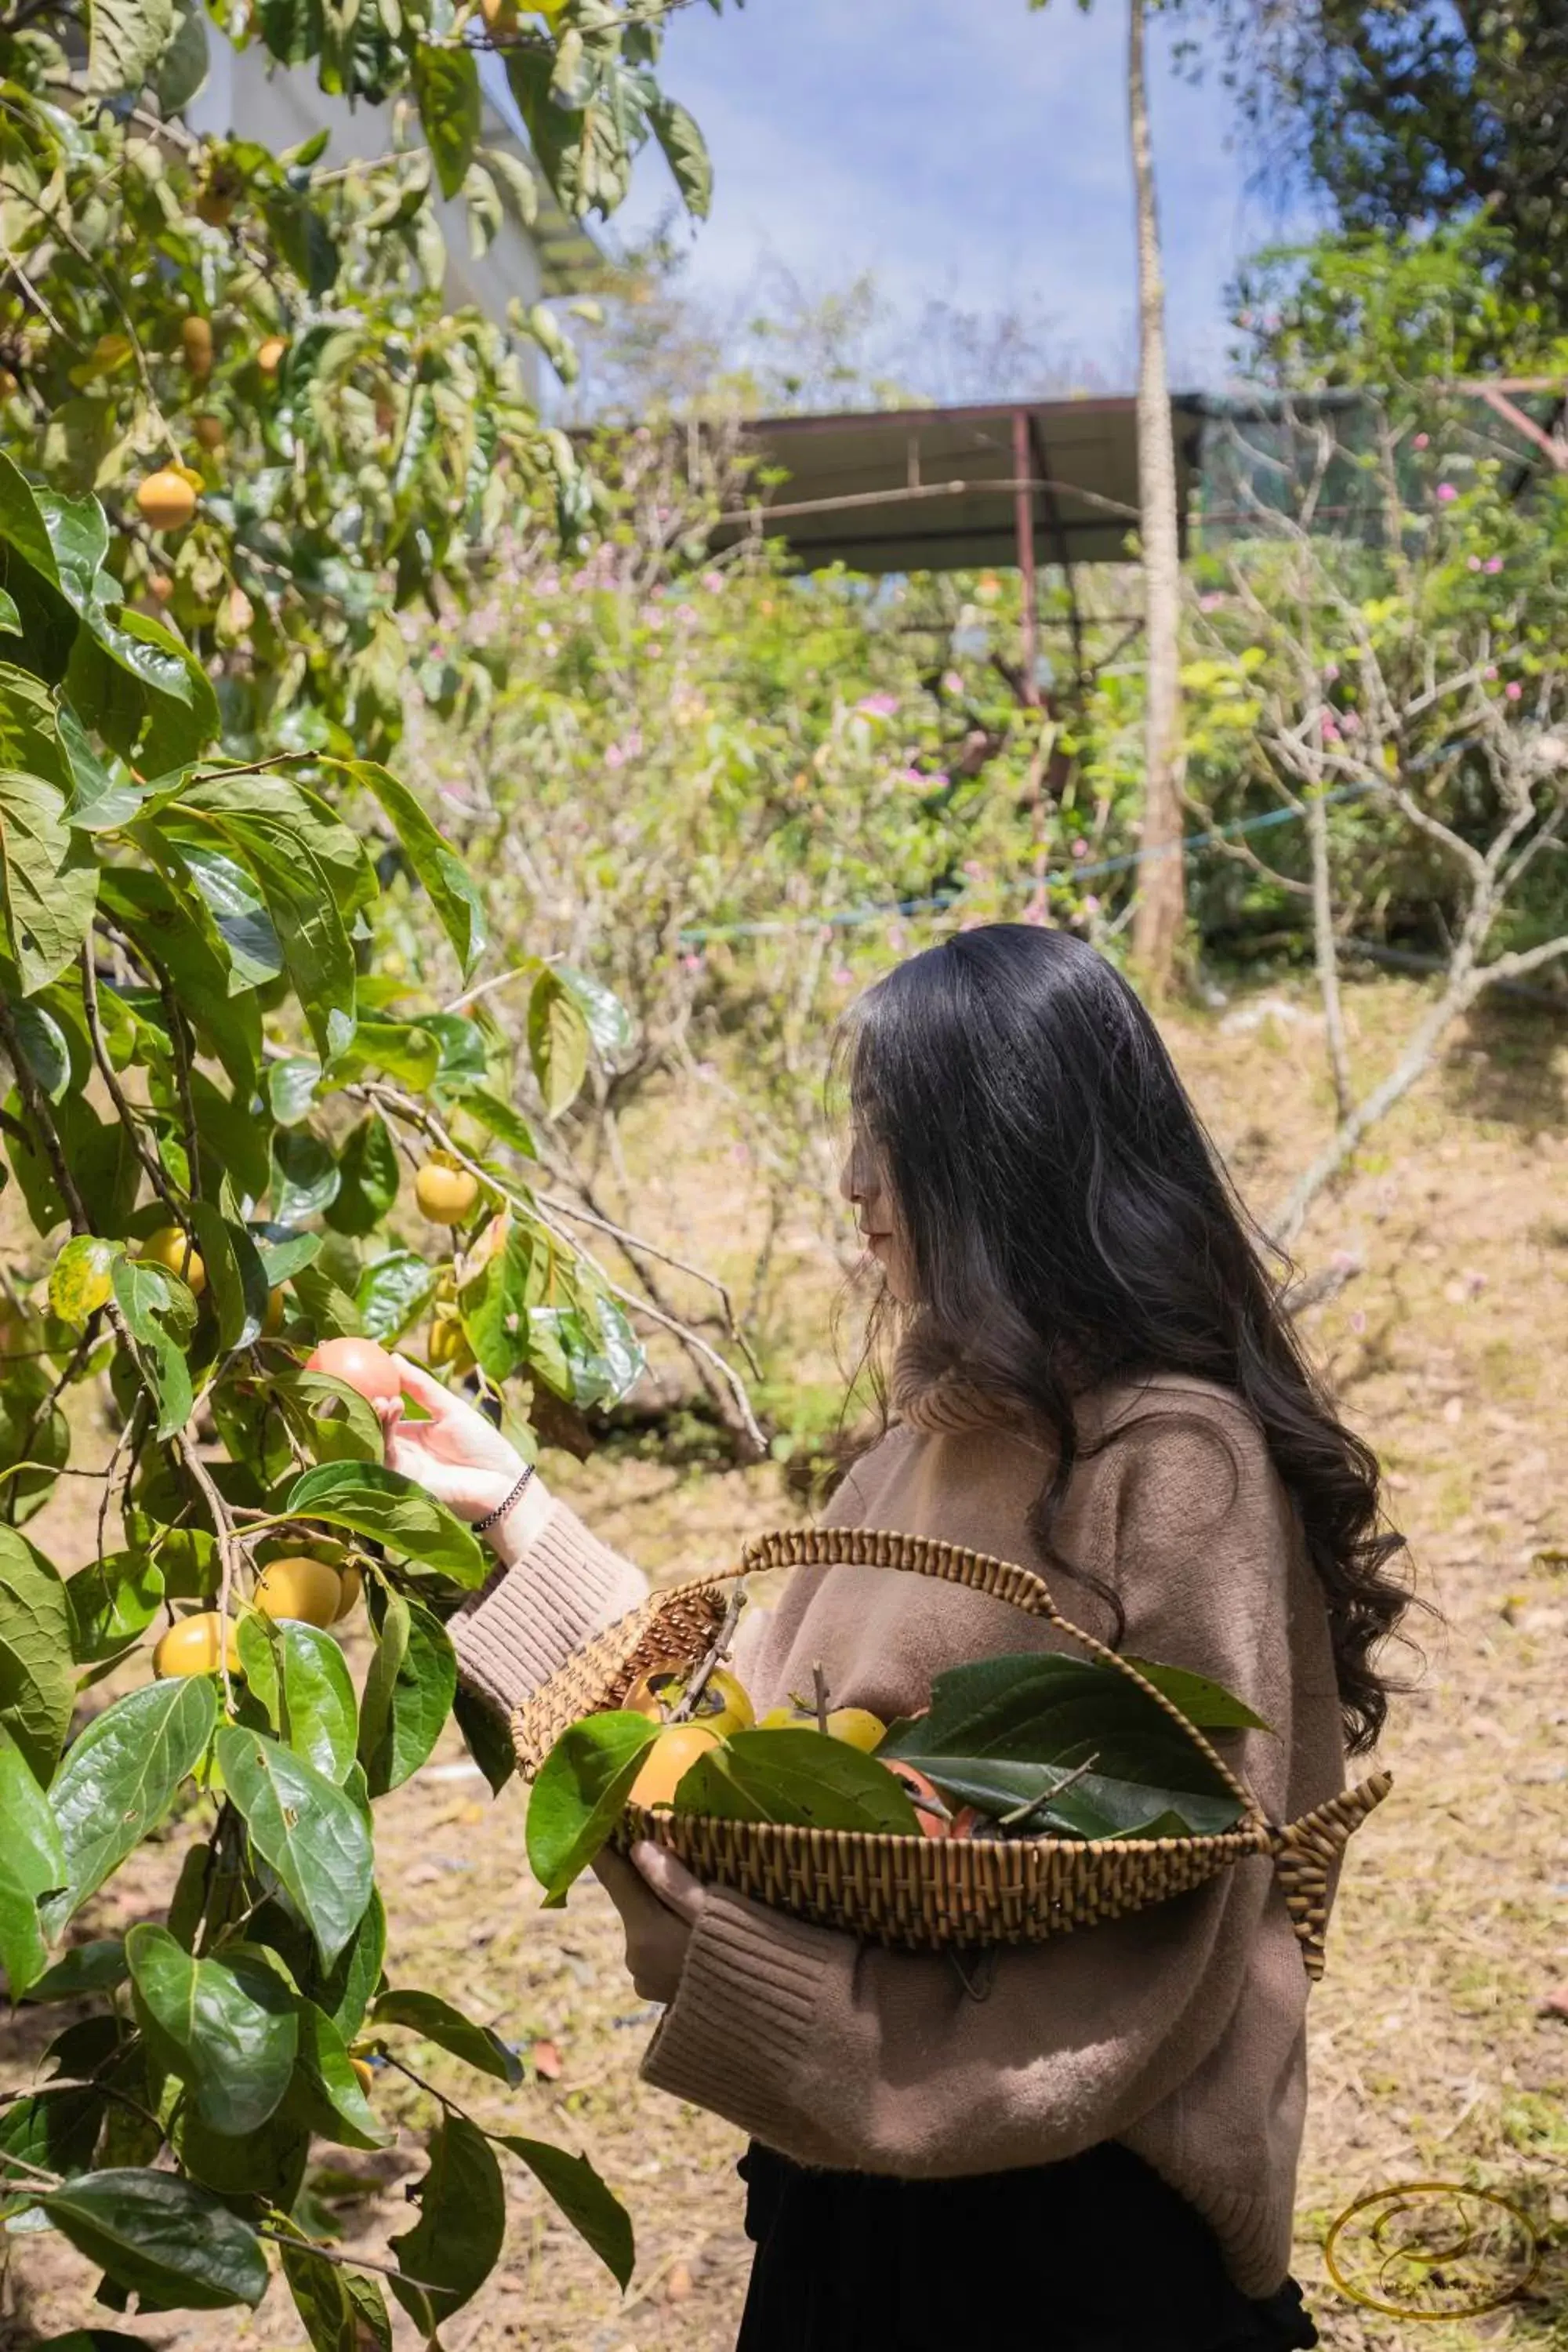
<point x="1002" y="1579"/>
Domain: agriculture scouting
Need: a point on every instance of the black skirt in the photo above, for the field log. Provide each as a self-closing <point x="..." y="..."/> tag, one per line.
<point x="1094" y="2254"/>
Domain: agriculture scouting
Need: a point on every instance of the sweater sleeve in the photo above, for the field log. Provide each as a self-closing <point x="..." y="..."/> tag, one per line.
<point x="565" y="1588"/>
<point x="847" y="2055"/>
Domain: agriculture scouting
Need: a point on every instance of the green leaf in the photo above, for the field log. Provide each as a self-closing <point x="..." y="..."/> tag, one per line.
<point x="454" y="2243"/>
<point x="797" y="1776"/>
<point x="237" y="905"/>
<point x="162" y="2238"/>
<point x="305" y="1176"/>
<point x="609" y="1024"/>
<point x="1050" y="1713"/>
<point x="237" y="1279"/>
<point x="87" y="1969"/>
<point x="111" y="1601"/>
<point x="80" y="1277"/>
<point x="427" y="2014"/>
<point x="596" y="2214"/>
<point x="405" y="1050"/>
<point x="338" y="2310"/>
<point x="452" y="891"/>
<point x="32" y="1863"/>
<point x="462" y="1044"/>
<point x="318" y="1716"/>
<point x="292" y="1088"/>
<point x="48" y="879"/>
<point x="233" y="1138"/>
<point x="102" y="798"/>
<point x="38" y="1692"/>
<point x="155" y="1303"/>
<point x="44" y="1046"/>
<point x="281" y="1260"/>
<point x="367" y="1173"/>
<point x="393" y="1292"/>
<point x="345" y="1992"/>
<point x="312" y="1834"/>
<point x="225" y="2026"/>
<point x="1207" y="1703"/>
<point x="498" y="1118"/>
<point x="392" y="1510"/>
<point x="557" y="1042"/>
<point x="486" y="1736"/>
<point x="447" y="91"/>
<point x="125" y="40"/>
<point x="119" y="1778"/>
<point x="412" y="1698"/>
<point x="168" y="930"/>
<point x="182" y="69"/>
<point x="327" y="2091"/>
<point x="494" y="1303"/>
<point x="312" y="1391"/>
<point x="578" y="1796"/>
<point x="686" y="152"/>
<point x="266" y="2164"/>
<point x="1098" y="1805"/>
<point x="57" y="2130"/>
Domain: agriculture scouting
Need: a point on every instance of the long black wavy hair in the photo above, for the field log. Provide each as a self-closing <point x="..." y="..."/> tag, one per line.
<point x="1068" y="1220"/>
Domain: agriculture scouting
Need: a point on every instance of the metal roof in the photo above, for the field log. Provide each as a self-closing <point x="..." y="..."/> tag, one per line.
<point x="914" y="489"/>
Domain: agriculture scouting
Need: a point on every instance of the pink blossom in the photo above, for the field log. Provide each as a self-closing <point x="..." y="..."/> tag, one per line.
<point x="1331" y="672"/>
<point x="1513" y="689"/>
<point x="1091" y="904"/>
<point x="877" y="706"/>
<point x="1489" y="671"/>
<point x="1446" y="494"/>
<point x="1080" y="847"/>
<point x="1330" y="729"/>
<point x="896" y="937"/>
<point x="1492" y="563"/>
<point x="1212" y="601"/>
<point x="935" y="778"/>
<point x="548" y="585"/>
<point x="1422" y="440"/>
<point x="842" y="976"/>
<point x="973" y="868"/>
<point x="1349" y="722"/>
<point x="1473" y="563"/>
<point x="951" y="682"/>
<point x="691" y="963"/>
<point x="633" y="743"/>
<point x="712" y="581"/>
<point x="686" y="615"/>
<point x="614" y="757"/>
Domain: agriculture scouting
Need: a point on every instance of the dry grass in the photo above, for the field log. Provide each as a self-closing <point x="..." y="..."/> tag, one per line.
<point x="1428" y="2058"/>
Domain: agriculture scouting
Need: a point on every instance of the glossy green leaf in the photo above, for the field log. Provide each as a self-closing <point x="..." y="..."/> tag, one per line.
<point x="609" y="1024"/>
<point x="125" y="40"/>
<point x="451" y="887"/>
<point x="32" y="1863"/>
<point x="304" y="1825"/>
<point x="98" y="1966"/>
<point x="305" y="1177"/>
<point x="596" y="2214"/>
<point x="579" y="1794"/>
<point x="798" y="1776"/>
<point x="686" y="152"/>
<point x="557" y="1042"/>
<point x="119" y="1778"/>
<point x="493" y="1302"/>
<point x="393" y="1292"/>
<point x="166" y="2239"/>
<point x="316" y="1714"/>
<point x="368" y="1178"/>
<point x="392" y="1510"/>
<point x="44" y="1048"/>
<point x="408" y="1694"/>
<point x="327" y="2092"/>
<point x="237" y="905"/>
<point x="292" y="1088"/>
<point x="338" y="2310"/>
<point x="54" y="2131"/>
<point x="454" y="2246"/>
<point x="500" y="1119"/>
<point x="446" y="91"/>
<point x="425" y="2013"/>
<point x="167" y="927"/>
<point x="1207" y="1703"/>
<point x="36" y="1690"/>
<point x="111" y="1601"/>
<point x="225" y="2026"/>
<point x="48" y="879"/>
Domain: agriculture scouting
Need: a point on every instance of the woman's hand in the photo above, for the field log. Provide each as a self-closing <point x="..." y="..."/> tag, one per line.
<point x="659" y="1903"/>
<point x="457" y="1455"/>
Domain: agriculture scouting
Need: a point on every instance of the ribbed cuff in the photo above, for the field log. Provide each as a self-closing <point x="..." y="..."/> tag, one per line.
<point x="527" y="1620"/>
<point x="735" y="2037"/>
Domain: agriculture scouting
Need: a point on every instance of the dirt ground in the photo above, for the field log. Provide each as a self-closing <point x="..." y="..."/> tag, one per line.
<point x="1430" y="2060"/>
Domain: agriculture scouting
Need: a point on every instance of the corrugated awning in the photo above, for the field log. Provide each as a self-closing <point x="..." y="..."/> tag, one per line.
<point x="955" y="488"/>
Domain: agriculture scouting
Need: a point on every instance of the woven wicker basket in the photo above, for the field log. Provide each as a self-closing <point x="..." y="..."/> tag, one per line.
<point x="924" y="1893"/>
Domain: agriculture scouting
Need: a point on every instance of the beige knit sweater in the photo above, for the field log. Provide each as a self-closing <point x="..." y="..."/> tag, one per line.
<point x="1180" y="2030"/>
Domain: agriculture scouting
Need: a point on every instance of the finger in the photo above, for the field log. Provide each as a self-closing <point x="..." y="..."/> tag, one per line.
<point x="668" y="1879"/>
<point x="389" y="1412"/>
<point x="424" y="1389"/>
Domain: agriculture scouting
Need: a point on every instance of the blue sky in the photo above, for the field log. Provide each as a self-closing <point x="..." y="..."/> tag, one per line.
<point x="965" y="150"/>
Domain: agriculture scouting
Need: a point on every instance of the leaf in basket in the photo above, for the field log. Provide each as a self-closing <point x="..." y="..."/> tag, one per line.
<point x="1056" y="1712"/>
<point x="1207" y="1703"/>
<point x="578" y="1795"/>
<point x="1096" y="1806"/>
<point x="798" y="1777"/>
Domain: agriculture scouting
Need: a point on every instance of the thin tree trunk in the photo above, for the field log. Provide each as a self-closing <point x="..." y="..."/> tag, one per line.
<point x="1161" y="902"/>
<point x="1326" y="950"/>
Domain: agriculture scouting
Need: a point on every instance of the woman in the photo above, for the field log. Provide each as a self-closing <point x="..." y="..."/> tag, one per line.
<point x="1097" y="2153"/>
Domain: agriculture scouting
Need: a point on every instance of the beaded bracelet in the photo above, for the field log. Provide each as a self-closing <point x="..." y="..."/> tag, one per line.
<point x="493" y="1518"/>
